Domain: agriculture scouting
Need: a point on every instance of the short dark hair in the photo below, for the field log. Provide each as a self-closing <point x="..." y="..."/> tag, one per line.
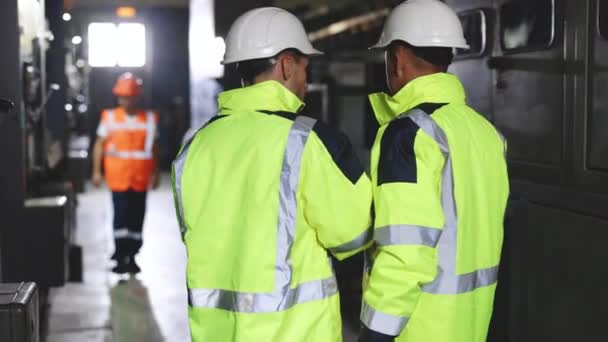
<point x="439" y="56"/>
<point x="252" y="68"/>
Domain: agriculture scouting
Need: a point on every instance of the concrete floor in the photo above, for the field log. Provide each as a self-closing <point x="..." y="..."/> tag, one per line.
<point x="105" y="307"/>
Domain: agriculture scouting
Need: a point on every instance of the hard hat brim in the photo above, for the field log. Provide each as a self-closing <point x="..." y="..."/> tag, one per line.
<point x="381" y="45"/>
<point x="309" y="53"/>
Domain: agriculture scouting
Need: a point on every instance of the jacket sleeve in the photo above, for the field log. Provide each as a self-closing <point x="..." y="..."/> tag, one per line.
<point x="406" y="170"/>
<point x="336" y="193"/>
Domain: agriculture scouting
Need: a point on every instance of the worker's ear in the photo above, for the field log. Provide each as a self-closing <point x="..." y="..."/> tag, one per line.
<point x="401" y="57"/>
<point x="288" y="66"/>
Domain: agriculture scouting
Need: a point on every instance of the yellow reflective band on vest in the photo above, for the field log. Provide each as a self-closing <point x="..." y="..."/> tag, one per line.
<point x="436" y="292"/>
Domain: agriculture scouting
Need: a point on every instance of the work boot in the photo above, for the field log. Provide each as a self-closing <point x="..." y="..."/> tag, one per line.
<point x="132" y="267"/>
<point x="122" y="265"/>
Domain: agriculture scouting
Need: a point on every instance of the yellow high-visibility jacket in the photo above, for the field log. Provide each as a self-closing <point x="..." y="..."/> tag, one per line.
<point x="262" y="196"/>
<point x="440" y="188"/>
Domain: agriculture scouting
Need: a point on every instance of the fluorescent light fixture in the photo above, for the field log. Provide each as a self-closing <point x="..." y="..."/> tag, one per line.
<point x="131" y="45"/>
<point x="113" y="45"/>
<point x="102" y="51"/>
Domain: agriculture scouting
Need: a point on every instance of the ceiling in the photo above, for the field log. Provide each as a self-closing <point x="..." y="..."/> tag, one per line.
<point x="289" y="4"/>
<point x="137" y="3"/>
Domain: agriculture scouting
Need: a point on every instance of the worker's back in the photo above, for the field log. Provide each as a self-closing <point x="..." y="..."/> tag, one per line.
<point x="458" y="304"/>
<point x="254" y="190"/>
<point x="481" y="187"/>
<point x="440" y="196"/>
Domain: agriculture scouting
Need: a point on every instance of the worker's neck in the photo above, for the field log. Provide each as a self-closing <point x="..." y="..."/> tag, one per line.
<point x="130" y="110"/>
<point x="414" y="74"/>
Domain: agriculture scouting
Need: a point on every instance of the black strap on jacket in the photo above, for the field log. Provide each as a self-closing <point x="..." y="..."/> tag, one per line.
<point x="337" y="144"/>
<point x="367" y="335"/>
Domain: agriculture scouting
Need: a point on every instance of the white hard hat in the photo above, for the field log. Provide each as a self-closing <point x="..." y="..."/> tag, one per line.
<point x="423" y="23"/>
<point x="263" y="33"/>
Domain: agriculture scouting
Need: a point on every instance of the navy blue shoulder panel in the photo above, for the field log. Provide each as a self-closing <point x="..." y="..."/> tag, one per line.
<point x="214" y="119"/>
<point x="285" y="115"/>
<point x="339" y="147"/>
<point x="430" y="108"/>
<point x="397" y="162"/>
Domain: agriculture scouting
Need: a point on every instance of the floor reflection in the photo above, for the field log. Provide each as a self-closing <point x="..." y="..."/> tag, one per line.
<point x="132" y="314"/>
<point x="151" y="307"/>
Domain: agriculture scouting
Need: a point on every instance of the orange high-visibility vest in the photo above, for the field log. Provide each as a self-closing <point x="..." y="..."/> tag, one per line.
<point x="129" y="149"/>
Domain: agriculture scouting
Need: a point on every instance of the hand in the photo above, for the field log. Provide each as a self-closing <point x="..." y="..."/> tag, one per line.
<point x="97" y="179"/>
<point x="154" y="181"/>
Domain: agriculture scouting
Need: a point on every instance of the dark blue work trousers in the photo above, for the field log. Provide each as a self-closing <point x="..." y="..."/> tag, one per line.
<point x="129" y="211"/>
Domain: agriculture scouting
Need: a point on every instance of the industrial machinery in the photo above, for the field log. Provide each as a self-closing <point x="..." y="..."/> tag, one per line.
<point x="538" y="71"/>
<point x="19" y="312"/>
<point x="37" y="204"/>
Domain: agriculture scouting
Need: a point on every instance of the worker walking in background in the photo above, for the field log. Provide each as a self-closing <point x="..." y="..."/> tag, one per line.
<point x="263" y="194"/>
<point x="440" y="190"/>
<point x="127" y="141"/>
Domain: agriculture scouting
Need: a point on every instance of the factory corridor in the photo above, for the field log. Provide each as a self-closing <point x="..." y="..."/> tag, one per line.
<point x="149" y="307"/>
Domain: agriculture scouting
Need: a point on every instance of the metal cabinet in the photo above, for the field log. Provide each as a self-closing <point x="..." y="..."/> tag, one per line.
<point x="528" y="63"/>
<point x="548" y="75"/>
<point x="19" y="312"/>
<point x="40" y="242"/>
<point x="478" y="20"/>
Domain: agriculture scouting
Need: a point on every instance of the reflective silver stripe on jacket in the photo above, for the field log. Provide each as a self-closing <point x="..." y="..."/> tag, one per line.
<point x="407" y="235"/>
<point x="283" y="296"/>
<point x="504" y="142"/>
<point x="149" y="126"/>
<point x="382" y="322"/>
<point x="447" y="281"/>
<point x="356" y="243"/>
<point x="446" y="241"/>
<point x="263" y="302"/>
<point x="178" y="171"/>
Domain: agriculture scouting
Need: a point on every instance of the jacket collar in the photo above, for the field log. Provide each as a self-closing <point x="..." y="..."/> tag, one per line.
<point x="435" y="88"/>
<point x="266" y="96"/>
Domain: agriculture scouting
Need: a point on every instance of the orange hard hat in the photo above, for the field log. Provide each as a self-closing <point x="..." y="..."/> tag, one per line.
<point x="127" y="85"/>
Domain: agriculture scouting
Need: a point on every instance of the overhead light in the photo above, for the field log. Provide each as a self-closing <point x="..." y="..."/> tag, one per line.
<point x="131" y="43"/>
<point x="126" y="11"/>
<point x="102" y="44"/>
<point x="68" y="107"/>
<point x="122" y="45"/>
<point x="83" y="108"/>
<point x="349" y="24"/>
<point x="76" y="40"/>
<point x="67" y="17"/>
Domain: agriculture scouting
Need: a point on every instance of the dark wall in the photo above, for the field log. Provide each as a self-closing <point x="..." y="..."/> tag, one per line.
<point x="55" y="64"/>
<point x="12" y="177"/>
<point x="226" y="12"/>
<point x="11" y="134"/>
